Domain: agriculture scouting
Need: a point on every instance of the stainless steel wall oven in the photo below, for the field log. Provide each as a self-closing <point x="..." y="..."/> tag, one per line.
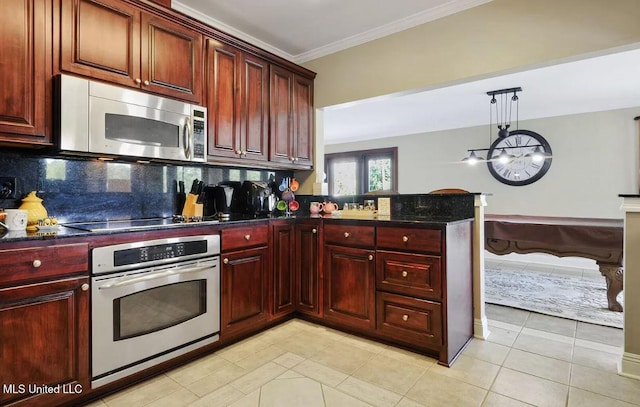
<point x="152" y="301"/>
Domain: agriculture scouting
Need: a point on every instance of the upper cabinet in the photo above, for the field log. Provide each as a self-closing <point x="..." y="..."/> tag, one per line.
<point x="292" y="137"/>
<point x="237" y="99"/>
<point x="117" y="42"/>
<point x="25" y="69"/>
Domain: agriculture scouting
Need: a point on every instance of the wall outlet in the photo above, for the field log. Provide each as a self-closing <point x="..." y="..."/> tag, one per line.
<point x="8" y="187"/>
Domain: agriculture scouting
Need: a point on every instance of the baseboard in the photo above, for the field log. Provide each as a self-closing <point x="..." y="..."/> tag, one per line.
<point x="629" y="366"/>
<point x="481" y="328"/>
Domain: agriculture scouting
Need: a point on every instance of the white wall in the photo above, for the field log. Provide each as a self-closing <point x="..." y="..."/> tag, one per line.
<point x="594" y="160"/>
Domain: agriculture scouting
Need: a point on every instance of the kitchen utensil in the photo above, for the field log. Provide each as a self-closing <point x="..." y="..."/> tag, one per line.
<point x="294" y="205"/>
<point x="294" y="185"/>
<point x="281" y="205"/>
<point x="315" y="208"/>
<point x="329" y="207"/>
<point x="181" y="197"/>
<point x="15" y="219"/>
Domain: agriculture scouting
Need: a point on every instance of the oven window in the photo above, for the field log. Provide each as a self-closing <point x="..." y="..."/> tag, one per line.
<point x="140" y="130"/>
<point x="158" y="308"/>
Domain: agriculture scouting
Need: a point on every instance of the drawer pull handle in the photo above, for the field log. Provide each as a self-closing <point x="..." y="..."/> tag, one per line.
<point x="371" y="257"/>
<point x="247" y="237"/>
<point x="37" y="263"/>
<point x="404" y="273"/>
<point x="346" y="235"/>
<point x="84" y="287"/>
<point x="405" y="317"/>
<point x="225" y="261"/>
<point x="405" y="239"/>
<point x="314" y="230"/>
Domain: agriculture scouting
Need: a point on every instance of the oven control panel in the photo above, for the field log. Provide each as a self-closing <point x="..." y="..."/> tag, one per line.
<point x="120" y="257"/>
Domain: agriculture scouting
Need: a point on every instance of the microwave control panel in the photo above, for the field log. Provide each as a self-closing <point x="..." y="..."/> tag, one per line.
<point x="199" y="115"/>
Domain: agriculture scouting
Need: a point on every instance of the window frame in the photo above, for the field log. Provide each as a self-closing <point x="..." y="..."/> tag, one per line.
<point x="362" y="173"/>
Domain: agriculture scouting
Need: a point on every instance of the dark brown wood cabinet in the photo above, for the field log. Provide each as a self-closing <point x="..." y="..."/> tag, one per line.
<point x="308" y="265"/>
<point x="237" y="99"/>
<point x="284" y="283"/>
<point x="44" y="337"/>
<point x="244" y="279"/>
<point x="349" y="286"/>
<point x="25" y="69"/>
<point x="115" y="41"/>
<point x="292" y="133"/>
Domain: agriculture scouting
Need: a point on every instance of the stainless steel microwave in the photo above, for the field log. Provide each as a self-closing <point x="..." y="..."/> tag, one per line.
<point x="100" y="119"/>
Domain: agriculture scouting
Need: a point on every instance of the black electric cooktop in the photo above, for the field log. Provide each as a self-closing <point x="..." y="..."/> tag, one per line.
<point x="134" y="224"/>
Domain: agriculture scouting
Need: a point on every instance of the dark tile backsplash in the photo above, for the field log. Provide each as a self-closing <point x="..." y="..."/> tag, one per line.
<point x="79" y="190"/>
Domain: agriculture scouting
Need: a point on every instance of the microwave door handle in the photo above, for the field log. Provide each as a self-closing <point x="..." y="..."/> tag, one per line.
<point x="153" y="276"/>
<point x="186" y="138"/>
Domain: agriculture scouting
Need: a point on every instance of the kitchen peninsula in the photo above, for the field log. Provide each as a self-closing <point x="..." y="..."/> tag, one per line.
<point x="404" y="281"/>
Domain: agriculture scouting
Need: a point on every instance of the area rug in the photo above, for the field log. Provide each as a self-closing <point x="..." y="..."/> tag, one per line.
<point x="567" y="296"/>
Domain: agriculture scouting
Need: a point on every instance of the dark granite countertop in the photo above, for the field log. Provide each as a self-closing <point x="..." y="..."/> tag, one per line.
<point x="69" y="232"/>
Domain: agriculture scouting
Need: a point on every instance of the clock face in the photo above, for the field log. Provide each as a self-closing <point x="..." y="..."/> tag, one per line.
<point x="522" y="167"/>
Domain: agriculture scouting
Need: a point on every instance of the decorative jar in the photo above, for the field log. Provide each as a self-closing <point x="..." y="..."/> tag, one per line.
<point x="35" y="210"/>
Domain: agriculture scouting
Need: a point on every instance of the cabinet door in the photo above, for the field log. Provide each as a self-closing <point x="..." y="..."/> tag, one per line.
<point x="283" y="270"/>
<point x="281" y="134"/>
<point x="349" y="287"/>
<point x="244" y="291"/>
<point x="171" y="59"/>
<point x="303" y="134"/>
<point x="307" y="264"/>
<point x="101" y="39"/>
<point x="223" y="99"/>
<point x="44" y="340"/>
<point x="254" y="127"/>
<point x="23" y="29"/>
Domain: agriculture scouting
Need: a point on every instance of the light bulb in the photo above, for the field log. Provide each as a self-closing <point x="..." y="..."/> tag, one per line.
<point x="537" y="156"/>
<point x="503" y="157"/>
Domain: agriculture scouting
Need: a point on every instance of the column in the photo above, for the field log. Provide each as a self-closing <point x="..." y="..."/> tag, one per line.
<point x="630" y="363"/>
<point x="480" y="326"/>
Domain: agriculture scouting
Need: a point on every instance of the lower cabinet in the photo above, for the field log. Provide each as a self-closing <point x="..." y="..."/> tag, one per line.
<point x="307" y="264"/>
<point x="349" y="286"/>
<point x="283" y="245"/>
<point x="244" y="291"/>
<point x="44" y="342"/>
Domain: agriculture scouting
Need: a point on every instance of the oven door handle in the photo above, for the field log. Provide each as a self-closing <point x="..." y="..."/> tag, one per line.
<point x="157" y="275"/>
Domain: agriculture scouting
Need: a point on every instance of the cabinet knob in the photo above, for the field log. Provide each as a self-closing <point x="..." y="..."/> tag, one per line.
<point x="244" y="152"/>
<point x="405" y="239"/>
<point x="371" y="257"/>
<point x="314" y="230"/>
<point x="247" y="237"/>
<point x="37" y="263"/>
<point x="404" y="273"/>
<point x="405" y="317"/>
<point x="225" y="261"/>
<point x="84" y="287"/>
<point x="346" y="235"/>
<point x="138" y="81"/>
<point x="239" y="152"/>
<point x="146" y="83"/>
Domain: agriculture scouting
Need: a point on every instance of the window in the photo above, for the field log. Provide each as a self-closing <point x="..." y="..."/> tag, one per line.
<point x="359" y="172"/>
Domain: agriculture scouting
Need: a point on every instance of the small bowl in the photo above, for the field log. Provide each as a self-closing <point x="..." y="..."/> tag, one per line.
<point x="294" y="205"/>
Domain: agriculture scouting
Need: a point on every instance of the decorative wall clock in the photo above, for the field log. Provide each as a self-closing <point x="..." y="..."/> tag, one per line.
<point x="521" y="158"/>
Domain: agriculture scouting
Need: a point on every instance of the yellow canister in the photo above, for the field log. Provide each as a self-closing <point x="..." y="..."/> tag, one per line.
<point x="35" y="210"/>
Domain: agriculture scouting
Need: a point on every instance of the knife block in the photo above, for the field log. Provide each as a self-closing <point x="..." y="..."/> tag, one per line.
<point x="191" y="208"/>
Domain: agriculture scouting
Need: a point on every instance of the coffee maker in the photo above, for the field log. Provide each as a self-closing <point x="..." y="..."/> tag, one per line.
<point x="258" y="198"/>
<point x="223" y="200"/>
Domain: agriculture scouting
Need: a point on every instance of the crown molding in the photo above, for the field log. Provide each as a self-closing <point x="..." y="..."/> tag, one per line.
<point x="178" y="6"/>
<point x="435" y="13"/>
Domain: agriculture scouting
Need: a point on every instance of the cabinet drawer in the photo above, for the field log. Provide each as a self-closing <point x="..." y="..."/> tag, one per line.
<point x="349" y="235"/>
<point x="421" y="240"/>
<point x="410" y="320"/>
<point x="245" y="236"/>
<point x="39" y="263"/>
<point x="417" y="275"/>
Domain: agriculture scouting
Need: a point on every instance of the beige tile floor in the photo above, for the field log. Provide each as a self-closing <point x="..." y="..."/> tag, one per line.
<point x="529" y="359"/>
